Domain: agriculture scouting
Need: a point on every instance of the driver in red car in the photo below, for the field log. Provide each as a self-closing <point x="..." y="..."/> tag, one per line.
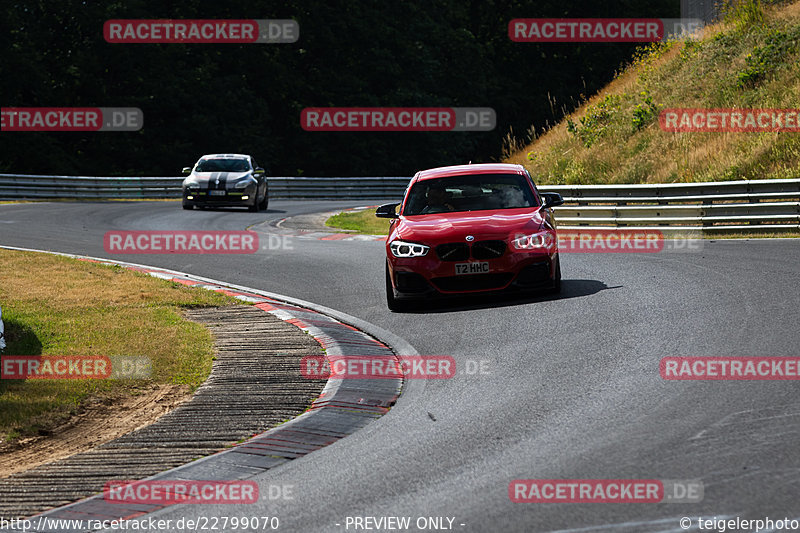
<point x="437" y="198"/>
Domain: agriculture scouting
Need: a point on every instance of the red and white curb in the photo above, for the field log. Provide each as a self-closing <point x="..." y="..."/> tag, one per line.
<point x="343" y="407"/>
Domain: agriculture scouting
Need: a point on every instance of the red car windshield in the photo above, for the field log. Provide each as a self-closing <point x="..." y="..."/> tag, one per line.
<point x="473" y="192"/>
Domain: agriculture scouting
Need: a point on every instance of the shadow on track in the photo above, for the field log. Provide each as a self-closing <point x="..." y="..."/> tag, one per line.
<point x="20" y="340"/>
<point x="227" y="209"/>
<point x="570" y="288"/>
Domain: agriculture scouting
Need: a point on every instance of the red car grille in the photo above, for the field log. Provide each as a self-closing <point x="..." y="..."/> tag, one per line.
<point x="459" y="251"/>
<point x="453" y="251"/>
<point x="488" y="249"/>
<point x="478" y="282"/>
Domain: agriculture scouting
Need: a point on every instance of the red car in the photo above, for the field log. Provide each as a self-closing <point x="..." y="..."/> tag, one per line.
<point x="470" y="229"/>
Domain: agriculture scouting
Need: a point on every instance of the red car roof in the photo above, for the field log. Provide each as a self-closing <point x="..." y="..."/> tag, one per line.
<point x="460" y="170"/>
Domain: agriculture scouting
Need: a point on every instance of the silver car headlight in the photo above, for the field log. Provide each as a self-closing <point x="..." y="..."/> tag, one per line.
<point x="408" y="249"/>
<point x="191" y="184"/>
<point x="243" y="184"/>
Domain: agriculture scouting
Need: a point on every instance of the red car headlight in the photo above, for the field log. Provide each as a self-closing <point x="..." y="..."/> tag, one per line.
<point x="408" y="249"/>
<point x="544" y="240"/>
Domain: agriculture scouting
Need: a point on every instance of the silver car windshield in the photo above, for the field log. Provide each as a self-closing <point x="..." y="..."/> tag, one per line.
<point x="222" y="165"/>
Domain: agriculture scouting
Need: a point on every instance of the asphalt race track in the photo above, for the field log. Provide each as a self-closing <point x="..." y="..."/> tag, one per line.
<point x="574" y="390"/>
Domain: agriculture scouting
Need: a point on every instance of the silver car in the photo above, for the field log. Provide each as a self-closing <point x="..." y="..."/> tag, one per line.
<point x="226" y="180"/>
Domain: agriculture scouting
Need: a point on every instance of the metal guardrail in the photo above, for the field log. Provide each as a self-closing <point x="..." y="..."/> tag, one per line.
<point x="15" y="186"/>
<point x="727" y="206"/>
<point x="745" y="205"/>
<point x="338" y="188"/>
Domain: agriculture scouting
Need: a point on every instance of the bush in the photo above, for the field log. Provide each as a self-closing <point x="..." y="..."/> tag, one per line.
<point x="744" y="13"/>
<point x="765" y="59"/>
<point x="644" y="112"/>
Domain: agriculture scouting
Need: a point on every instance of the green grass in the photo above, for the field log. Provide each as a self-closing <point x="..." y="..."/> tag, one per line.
<point x="364" y="222"/>
<point x="55" y="305"/>
<point x="748" y="61"/>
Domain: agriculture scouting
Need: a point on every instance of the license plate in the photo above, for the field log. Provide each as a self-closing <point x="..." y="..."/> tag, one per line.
<point x="216" y="193"/>
<point x="472" y="268"/>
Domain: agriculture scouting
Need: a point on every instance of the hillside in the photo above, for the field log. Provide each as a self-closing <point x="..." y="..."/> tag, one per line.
<point x="749" y="60"/>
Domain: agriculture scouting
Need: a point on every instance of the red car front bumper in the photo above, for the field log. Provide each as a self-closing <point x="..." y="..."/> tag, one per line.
<point x="514" y="270"/>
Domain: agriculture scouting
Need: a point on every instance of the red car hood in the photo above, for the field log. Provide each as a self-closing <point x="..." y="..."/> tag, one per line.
<point x="483" y="225"/>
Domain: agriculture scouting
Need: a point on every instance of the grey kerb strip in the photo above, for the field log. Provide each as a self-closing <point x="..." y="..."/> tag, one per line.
<point x="343" y="407"/>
